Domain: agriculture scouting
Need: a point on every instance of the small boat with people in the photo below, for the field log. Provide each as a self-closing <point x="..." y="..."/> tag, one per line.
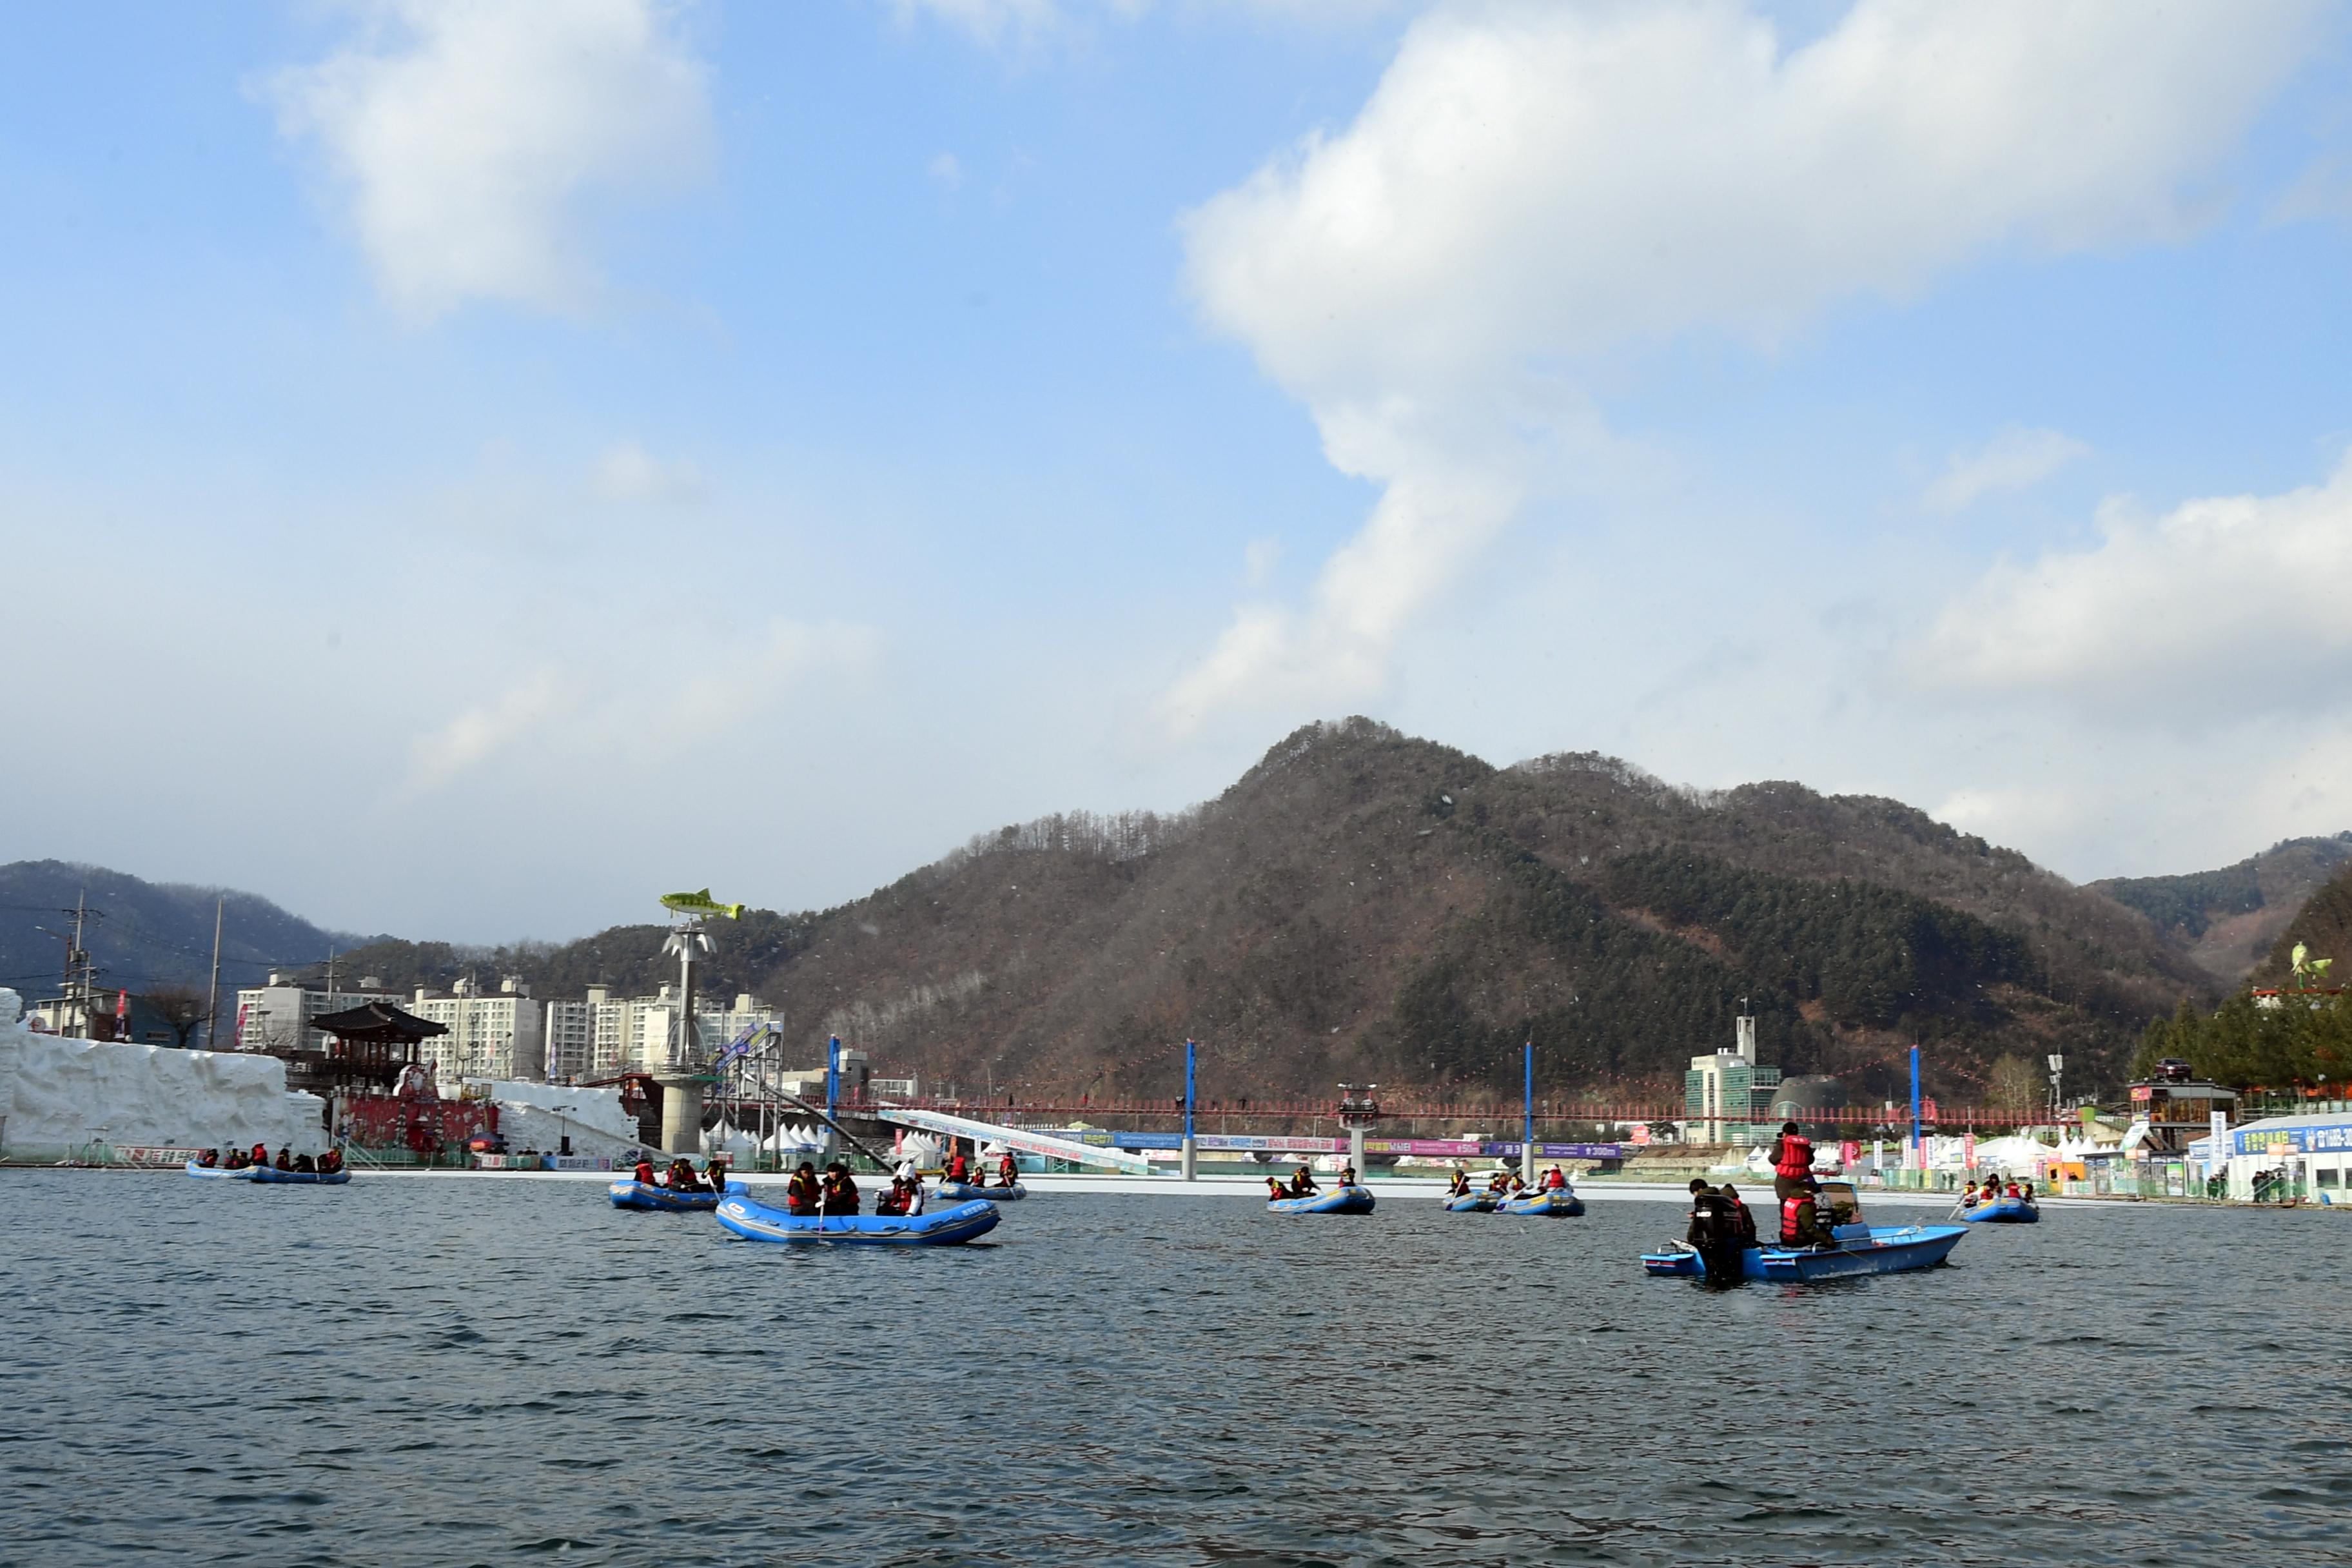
<point x="1472" y="1203"/>
<point x="1998" y="1204"/>
<point x="681" y="1189"/>
<point x="1302" y="1194"/>
<point x="1558" y="1203"/>
<point x="1822" y="1236"/>
<point x="971" y="1191"/>
<point x="271" y="1176"/>
<point x="942" y="1228"/>
<point x="221" y="1172"/>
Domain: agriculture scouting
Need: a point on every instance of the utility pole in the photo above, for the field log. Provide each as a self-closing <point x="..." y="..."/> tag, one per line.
<point x="79" y="975"/>
<point x="212" y="999"/>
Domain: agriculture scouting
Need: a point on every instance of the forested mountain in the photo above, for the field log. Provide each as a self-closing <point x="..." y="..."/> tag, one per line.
<point x="2228" y="921"/>
<point x="145" y="936"/>
<point x="1364" y="904"/>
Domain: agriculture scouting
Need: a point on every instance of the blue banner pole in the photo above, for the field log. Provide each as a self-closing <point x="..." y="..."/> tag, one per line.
<point x="1918" y="1154"/>
<point x="833" y="1076"/>
<point x="1528" y="1105"/>
<point x="1190" y="1155"/>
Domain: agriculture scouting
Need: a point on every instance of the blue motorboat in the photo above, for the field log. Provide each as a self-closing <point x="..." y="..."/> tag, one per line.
<point x="1339" y="1199"/>
<point x="1855" y="1247"/>
<point x="222" y="1173"/>
<point x="971" y="1192"/>
<point x="1472" y="1203"/>
<point x="630" y="1194"/>
<point x="944" y="1227"/>
<point x="271" y="1176"/>
<point x="2004" y="1211"/>
<point x="1558" y="1202"/>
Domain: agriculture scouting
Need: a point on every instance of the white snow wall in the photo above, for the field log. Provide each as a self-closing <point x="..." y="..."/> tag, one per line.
<point x="55" y="1093"/>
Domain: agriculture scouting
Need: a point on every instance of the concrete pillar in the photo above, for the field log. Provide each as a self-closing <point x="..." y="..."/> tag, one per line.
<point x="681" y="1113"/>
<point x="1356" y="1151"/>
<point x="1192" y="1152"/>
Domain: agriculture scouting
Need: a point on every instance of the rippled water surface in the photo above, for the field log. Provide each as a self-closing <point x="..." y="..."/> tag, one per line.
<point x="448" y="1370"/>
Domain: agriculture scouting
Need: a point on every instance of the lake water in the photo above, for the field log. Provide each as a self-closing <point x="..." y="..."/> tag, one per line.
<point x="452" y="1370"/>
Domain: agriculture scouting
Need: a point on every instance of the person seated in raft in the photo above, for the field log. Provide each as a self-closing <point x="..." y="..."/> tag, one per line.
<point x="1347" y="1175"/>
<point x="1274" y="1191"/>
<point x="644" y="1173"/>
<point x="1968" y="1196"/>
<point x="285" y="1159"/>
<point x="305" y="1164"/>
<point x="714" y="1173"/>
<point x="959" y="1169"/>
<point x="330" y="1162"/>
<point x="260" y="1154"/>
<point x="840" y="1195"/>
<point x="1555" y="1180"/>
<point x="890" y="1203"/>
<point x="1009" y="1168"/>
<point x="1742" y="1221"/>
<point x="1461" y="1184"/>
<point x="2010" y="1191"/>
<point x="804" y="1192"/>
<point x="1516" y="1182"/>
<point x="1801" y="1222"/>
<point x="2028" y="1193"/>
<point x="1302" y="1184"/>
<point x="1500" y="1184"/>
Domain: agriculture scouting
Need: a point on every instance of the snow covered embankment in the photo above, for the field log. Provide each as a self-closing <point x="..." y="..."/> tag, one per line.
<point x="57" y="1094"/>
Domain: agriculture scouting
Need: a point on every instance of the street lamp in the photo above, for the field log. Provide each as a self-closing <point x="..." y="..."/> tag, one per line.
<point x="2057" y="1070"/>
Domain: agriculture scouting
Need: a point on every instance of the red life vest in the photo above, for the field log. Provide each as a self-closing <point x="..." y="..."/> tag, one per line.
<point x="1795" y="1160"/>
<point x="2012" y="1191"/>
<point x="956" y="1169"/>
<point x="1792" y="1224"/>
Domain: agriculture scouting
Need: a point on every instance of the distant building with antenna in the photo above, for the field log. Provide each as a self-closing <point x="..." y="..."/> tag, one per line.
<point x="1725" y="1092"/>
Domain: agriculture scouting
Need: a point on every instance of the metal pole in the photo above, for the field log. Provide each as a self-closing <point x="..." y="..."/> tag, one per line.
<point x="1527" y="1103"/>
<point x="831" y="1082"/>
<point x="212" y="1000"/>
<point x="1191" y="1149"/>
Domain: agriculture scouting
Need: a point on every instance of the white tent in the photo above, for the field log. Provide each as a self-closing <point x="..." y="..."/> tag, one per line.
<point x="2014" y="1156"/>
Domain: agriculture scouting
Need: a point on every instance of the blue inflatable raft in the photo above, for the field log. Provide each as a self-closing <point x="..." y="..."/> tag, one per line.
<point x="1561" y="1204"/>
<point x="1472" y="1203"/>
<point x="631" y="1194"/>
<point x="1339" y="1199"/>
<point x="942" y="1227"/>
<point x="222" y="1173"/>
<point x="971" y="1192"/>
<point x="2003" y="1211"/>
<point x="1858" y="1248"/>
<point x="271" y="1176"/>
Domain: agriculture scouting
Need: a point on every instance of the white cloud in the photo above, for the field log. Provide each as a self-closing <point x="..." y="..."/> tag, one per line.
<point x="2015" y="459"/>
<point x="625" y="471"/>
<point x="1535" y="191"/>
<point x="471" y="136"/>
<point x="476" y="734"/>
<point x="2228" y="604"/>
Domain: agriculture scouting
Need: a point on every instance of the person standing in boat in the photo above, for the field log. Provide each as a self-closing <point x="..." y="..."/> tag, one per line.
<point x="959" y="1169"/>
<point x="1792" y="1163"/>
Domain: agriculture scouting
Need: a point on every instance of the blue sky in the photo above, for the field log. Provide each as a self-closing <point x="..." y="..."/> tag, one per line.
<point x="469" y="468"/>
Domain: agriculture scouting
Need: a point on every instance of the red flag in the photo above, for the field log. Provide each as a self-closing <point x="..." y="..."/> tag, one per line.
<point x="122" y="1005"/>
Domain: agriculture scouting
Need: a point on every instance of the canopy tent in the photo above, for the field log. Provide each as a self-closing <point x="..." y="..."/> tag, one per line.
<point x="373" y="1044"/>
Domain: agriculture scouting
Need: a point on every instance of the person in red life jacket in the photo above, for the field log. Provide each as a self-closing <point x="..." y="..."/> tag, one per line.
<point x="1274" y="1191"/>
<point x="1742" y="1220"/>
<point x="1796" y="1220"/>
<point x="840" y="1192"/>
<point x="285" y="1159"/>
<point x="644" y="1172"/>
<point x="330" y="1162"/>
<point x="1792" y="1163"/>
<point x="802" y="1193"/>
<point x="959" y="1169"/>
<point x="1555" y="1180"/>
<point x="714" y="1170"/>
<point x="260" y="1155"/>
<point x="1302" y="1184"/>
<point x="2010" y="1191"/>
<point x="209" y="1158"/>
<point x="1009" y="1168"/>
